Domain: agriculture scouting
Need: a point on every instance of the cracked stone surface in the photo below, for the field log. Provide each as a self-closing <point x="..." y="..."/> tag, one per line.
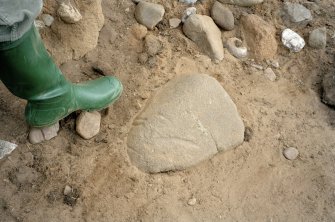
<point x="188" y="121"/>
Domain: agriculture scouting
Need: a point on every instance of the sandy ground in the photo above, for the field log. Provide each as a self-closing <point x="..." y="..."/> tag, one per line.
<point x="253" y="182"/>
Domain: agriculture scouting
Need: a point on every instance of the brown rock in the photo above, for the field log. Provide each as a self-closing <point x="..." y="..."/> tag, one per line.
<point x="260" y="37"/>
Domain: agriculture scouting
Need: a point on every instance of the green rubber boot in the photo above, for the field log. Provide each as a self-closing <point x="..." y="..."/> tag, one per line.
<point x="29" y="72"/>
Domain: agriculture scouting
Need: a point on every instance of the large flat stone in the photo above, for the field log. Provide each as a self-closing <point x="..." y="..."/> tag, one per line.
<point x="189" y="120"/>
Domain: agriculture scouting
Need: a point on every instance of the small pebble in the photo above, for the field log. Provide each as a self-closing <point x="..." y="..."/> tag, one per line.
<point x="47" y="19"/>
<point x="88" y="124"/>
<point x="291" y="153"/>
<point x="270" y="74"/>
<point x="192" y="201"/>
<point x="275" y="64"/>
<point x="67" y="190"/>
<point x="174" y="22"/>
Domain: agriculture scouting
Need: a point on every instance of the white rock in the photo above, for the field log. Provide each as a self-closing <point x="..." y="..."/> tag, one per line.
<point x="67" y="190"/>
<point x="192" y="201"/>
<point x="292" y="40"/>
<point x="237" y="51"/>
<point x="69" y="13"/>
<point x="270" y="74"/>
<point x="88" y="124"/>
<point x="291" y="153"/>
<point x="47" y="19"/>
<point x="188" y="12"/>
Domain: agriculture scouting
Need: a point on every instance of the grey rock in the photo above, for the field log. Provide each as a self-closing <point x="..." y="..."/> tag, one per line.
<point x="292" y="40"/>
<point x="291" y="153"/>
<point x="297" y="12"/>
<point x="318" y="38"/>
<point x="174" y="22"/>
<point x="188" y="12"/>
<point x="152" y="45"/>
<point x="47" y="19"/>
<point x="149" y="14"/>
<point x="204" y="32"/>
<point x="328" y="85"/>
<point x="88" y="124"/>
<point x="38" y="135"/>
<point x="189" y="120"/>
<point x="245" y="3"/>
<point x="222" y="16"/>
